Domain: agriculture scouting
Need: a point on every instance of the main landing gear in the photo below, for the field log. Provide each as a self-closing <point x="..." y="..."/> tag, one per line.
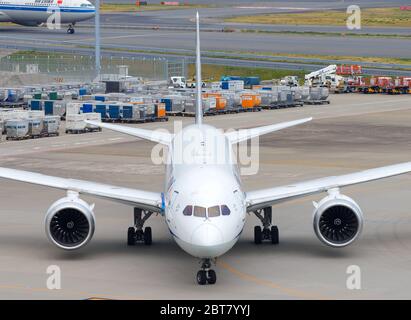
<point x="70" y="29"/>
<point x="206" y="275"/>
<point x="137" y="234"/>
<point x="269" y="232"/>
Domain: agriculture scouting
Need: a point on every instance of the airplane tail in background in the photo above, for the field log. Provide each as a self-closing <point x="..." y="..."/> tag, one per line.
<point x="199" y="104"/>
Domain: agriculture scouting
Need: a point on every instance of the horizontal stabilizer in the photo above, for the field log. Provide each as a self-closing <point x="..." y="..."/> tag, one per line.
<point x="246" y="134"/>
<point x="152" y="135"/>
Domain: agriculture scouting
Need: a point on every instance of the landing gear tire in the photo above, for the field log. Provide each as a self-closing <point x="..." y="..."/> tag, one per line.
<point x="131" y="237"/>
<point x="202" y="277"/>
<point x="275" y="239"/>
<point x="211" y="277"/>
<point x="136" y="233"/>
<point x="147" y="236"/>
<point x="257" y="235"/>
<point x="70" y="30"/>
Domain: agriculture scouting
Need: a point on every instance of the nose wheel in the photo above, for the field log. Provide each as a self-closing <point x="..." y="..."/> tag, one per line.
<point x="206" y="275"/>
<point x="267" y="232"/>
<point x="70" y="29"/>
<point x="137" y="233"/>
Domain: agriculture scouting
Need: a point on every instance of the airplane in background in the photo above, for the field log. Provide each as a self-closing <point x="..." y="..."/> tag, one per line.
<point x="36" y="12"/>
<point x="203" y="201"/>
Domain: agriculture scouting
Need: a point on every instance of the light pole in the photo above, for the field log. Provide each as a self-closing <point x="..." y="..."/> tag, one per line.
<point x="97" y="36"/>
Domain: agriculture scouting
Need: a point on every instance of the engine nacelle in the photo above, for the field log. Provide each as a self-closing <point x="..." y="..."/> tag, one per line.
<point x="338" y="220"/>
<point x="70" y="223"/>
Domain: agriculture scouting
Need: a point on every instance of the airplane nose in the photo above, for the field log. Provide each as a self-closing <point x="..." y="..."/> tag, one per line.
<point x="206" y="235"/>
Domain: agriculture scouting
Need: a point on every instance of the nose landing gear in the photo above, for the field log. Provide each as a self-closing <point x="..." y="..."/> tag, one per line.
<point x="70" y="29"/>
<point x="206" y="275"/>
<point x="137" y="234"/>
<point x="268" y="231"/>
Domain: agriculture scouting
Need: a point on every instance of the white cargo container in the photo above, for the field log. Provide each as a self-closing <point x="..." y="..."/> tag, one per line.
<point x="75" y="123"/>
<point x="93" y="116"/>
<point x="35" y="127"/>
<point x="38" y="114"/>
<point x="17" y="129"/>
<point x="59" y="108"/>
<point x="73" y="108"/>
<point x="51" y="125"/>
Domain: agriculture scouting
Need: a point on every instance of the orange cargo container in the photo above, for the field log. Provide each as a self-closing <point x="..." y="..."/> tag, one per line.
<point x="250" y="100"/>
<point x="161" y="110"/>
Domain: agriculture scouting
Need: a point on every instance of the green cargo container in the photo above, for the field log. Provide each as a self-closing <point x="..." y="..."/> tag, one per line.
<point x="37" y="96"/>
<point x="53" y="95"/>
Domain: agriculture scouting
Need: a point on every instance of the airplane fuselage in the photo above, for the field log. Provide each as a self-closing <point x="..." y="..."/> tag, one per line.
<point x="37" y="12"/>
<point x="204" y="203"/>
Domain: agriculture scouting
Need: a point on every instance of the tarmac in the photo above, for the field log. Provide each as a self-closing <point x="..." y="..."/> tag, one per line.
<point x="353" y="133"/>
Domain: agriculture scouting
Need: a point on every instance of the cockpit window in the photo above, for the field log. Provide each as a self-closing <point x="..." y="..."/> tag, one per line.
<point x="225" y="211"/>
<point x="188" y="211"/>
<point x="214" y="211"/>
<point x="199" y="212"/>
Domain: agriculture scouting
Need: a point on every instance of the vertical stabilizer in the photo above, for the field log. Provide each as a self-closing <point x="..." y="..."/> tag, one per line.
<point x="199" y="82"/>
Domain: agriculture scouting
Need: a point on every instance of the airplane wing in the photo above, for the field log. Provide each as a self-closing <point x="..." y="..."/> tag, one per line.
<point x="142" y="199"/>
<point x="245" y="134"/>
<point x="152" y="135"/>
<point x="266" y="197"/>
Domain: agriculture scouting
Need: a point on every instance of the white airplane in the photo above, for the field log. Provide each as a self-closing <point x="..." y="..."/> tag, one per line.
<point x="203" y="201"/>
<point x="37" y="12"/>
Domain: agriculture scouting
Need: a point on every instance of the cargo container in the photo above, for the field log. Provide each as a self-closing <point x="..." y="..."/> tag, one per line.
<point x="114" y="111"/>
<point x="102" y="109"/>
<point x="48" y="107"/>
<point x="17" y="129"/>
<point x="82" y="91"/>
<point x="75" y="123"/>
<point x="73" y="108"/>
<point x="86" y="108"/>
<point x="39" y="114"/>
<point x="35" y="104"/>
<point x="51" y="125"/>
<point x="221" y="102"/>
<point x="250" y="100"/>
<point x="160" y="110"/>
<point x="59" y="108"/>
<point x="35" y="127"/>
<point x="318" y="95"/>
<point x="128" y="112"/>
<point x="233" y="85"/>
<point x="93" y="116"/>
<point x="53" y="95"/>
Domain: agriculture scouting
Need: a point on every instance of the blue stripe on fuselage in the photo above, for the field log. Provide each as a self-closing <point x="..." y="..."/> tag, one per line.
<point x="35" y="8"/>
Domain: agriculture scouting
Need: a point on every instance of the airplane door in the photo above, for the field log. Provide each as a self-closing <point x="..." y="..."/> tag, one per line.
<point x="172" y="207"/>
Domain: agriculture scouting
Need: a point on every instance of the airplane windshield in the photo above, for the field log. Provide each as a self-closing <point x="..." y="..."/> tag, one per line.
<point x="199" y="212"/>
<point x="214" y="211"/>
<point x="188" y="211"/>
<point x="210" y="212"/>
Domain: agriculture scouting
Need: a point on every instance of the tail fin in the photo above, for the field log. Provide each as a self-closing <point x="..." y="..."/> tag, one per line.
<point x="199" y="82"/>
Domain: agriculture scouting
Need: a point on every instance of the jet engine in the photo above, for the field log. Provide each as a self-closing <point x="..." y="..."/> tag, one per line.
<point x="70" y="223"/>
<point x="338" y="220"/>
